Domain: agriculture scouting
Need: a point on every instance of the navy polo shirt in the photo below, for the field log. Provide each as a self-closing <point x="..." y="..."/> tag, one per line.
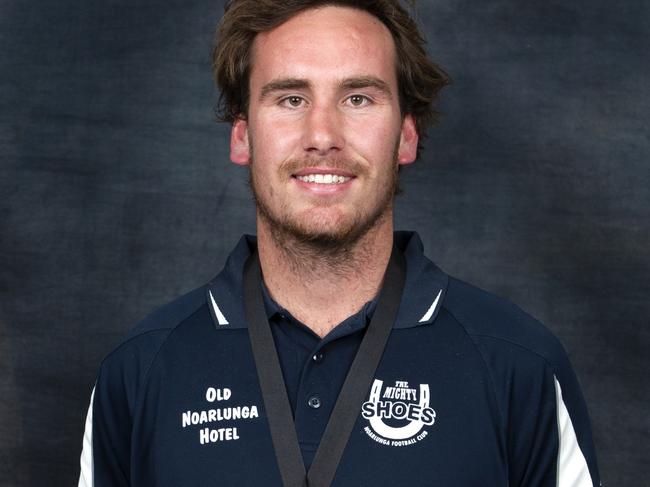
<point x="470" y="391"/>
<point x="314" y="369"/>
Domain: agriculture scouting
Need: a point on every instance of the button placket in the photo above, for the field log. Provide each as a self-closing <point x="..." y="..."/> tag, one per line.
<point x="312" y="411"/>
<point x="319" y="386"/>
<point x="314" y="400"/>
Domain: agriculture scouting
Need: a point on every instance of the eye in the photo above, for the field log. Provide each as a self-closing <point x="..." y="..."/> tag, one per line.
<point x="358" y="100"/>
<point x="292" y="101"/>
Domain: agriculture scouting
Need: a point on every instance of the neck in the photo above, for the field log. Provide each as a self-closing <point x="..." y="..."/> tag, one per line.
<point x="322" y="287"/>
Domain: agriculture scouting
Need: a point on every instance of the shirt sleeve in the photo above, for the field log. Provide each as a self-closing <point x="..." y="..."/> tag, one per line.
<point x="576" y="457"/>
<point x="532" y="440"/>
<point x="547" y="432"/>
<point x="106" y="446"/>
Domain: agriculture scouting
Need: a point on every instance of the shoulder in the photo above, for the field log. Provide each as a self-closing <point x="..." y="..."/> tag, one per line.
<point x="534" y="384"/>
<point x="138" y="348"/>
<point x="169" y="316"/>
<point x="497" y="323"/>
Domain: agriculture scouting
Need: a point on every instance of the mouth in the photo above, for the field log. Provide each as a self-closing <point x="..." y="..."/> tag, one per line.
<point x="323" y="176"/>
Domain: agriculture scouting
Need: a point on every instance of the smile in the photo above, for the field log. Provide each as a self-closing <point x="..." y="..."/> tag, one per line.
<point x="323" y="178"/>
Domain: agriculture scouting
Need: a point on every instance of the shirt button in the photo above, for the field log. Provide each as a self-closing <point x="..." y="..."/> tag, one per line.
<point x="317" y="357"/>
<point x="314" y="402"/>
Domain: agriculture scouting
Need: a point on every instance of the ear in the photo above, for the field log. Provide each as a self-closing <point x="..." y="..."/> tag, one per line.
<point x="239" y="148"/>
<point x="408" y="141"/>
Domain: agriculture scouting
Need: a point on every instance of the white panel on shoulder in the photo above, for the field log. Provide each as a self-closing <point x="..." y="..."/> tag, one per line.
<point x="86" y="476"/>
<point x="221" y="319"/>
<point x="427" y="316"/>
<point x="572" y="469"/>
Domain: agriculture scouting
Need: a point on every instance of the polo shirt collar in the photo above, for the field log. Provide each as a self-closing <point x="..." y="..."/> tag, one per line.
<point x="424" y="289"/>
<point x="273" y="309"/>
<point x="352" y="324"/>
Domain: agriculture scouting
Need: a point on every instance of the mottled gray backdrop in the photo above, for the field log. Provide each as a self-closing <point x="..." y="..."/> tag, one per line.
<point x="116" y="194"/>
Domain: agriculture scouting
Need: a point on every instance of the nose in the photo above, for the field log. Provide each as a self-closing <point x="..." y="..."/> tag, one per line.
<point x="323" y="132"/>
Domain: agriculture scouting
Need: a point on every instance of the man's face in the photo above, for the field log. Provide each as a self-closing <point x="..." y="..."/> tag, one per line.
<point x="324" y="134"/>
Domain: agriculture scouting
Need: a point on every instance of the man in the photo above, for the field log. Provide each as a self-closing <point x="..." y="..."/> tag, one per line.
<point x="237" y="382"/>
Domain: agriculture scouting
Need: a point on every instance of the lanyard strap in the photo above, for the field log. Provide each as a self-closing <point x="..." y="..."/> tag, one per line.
<point x="355" y="388"/>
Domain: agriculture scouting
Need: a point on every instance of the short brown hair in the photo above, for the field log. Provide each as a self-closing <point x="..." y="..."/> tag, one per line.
<point x="419" y="78"/>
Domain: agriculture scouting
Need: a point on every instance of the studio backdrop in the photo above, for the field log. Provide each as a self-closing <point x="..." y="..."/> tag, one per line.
<point x="117" y="194"/>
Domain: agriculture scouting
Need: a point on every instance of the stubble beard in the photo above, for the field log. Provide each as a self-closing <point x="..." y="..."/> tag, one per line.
<point x="304" y="241"/>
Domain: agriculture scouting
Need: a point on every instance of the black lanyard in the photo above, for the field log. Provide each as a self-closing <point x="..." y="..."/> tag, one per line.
<point x="352" y="395"/>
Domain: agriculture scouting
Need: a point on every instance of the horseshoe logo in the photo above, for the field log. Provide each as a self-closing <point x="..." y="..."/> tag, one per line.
<point x="421" y="411"/>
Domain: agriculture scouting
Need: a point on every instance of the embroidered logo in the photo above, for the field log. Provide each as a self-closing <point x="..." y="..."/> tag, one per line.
<point x="398" y="414"/>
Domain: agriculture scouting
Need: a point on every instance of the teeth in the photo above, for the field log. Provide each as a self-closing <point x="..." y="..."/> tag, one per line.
<point x="324" y="178"/>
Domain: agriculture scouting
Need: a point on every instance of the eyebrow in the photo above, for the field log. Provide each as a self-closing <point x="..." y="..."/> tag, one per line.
<point x="366" y="82"/>
<point x="355" y="83"/>
<point x="284" y="84"/>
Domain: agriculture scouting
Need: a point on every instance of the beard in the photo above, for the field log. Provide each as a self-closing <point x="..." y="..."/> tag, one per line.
<point x="293" y="232"/>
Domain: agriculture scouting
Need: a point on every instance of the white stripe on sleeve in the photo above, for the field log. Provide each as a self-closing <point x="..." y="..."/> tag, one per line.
<point x="572" y="470"/>
<point x="86" y="476"/>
